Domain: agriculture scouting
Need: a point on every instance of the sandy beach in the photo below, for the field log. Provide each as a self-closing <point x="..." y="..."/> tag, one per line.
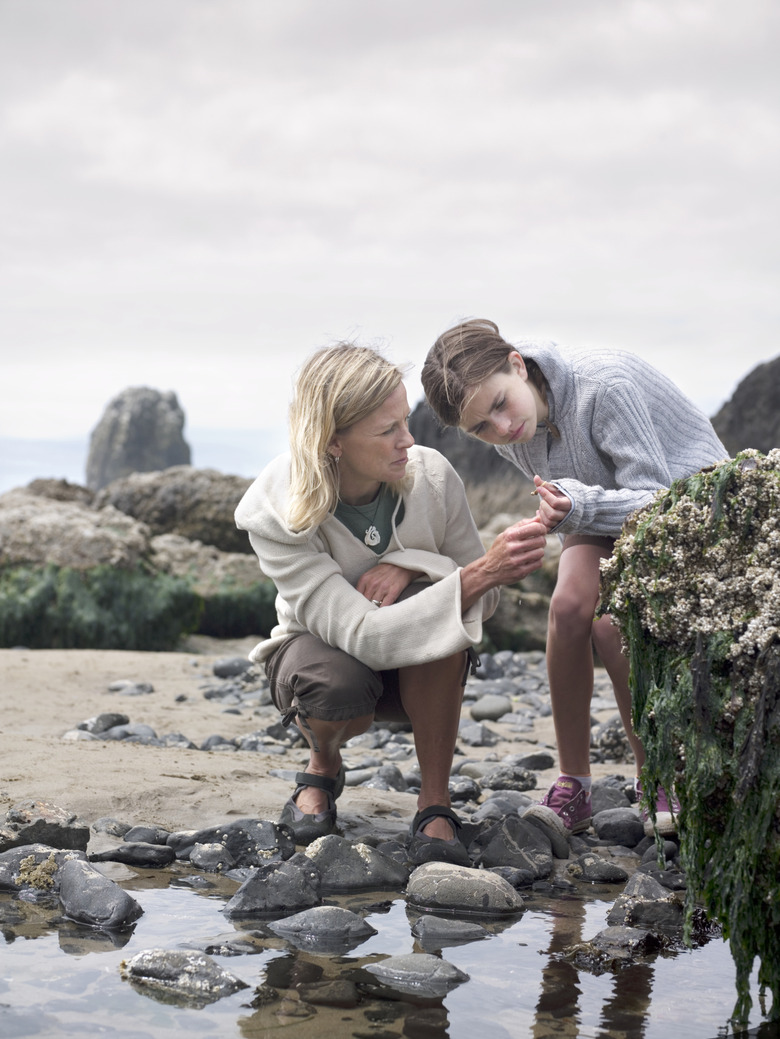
<point x="46" y="693"/>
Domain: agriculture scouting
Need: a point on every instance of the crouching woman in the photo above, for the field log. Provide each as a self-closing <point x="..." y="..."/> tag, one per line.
<point x="383" y="586"/>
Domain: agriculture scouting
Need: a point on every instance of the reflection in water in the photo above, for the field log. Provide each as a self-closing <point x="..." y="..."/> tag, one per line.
<point x="558" y="1011"/>
<point x="514" y="992"/>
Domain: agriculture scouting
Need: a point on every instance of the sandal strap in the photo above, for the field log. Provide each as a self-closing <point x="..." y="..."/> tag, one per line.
<point x="321" y="782"/>
<point x="434" y="812"/>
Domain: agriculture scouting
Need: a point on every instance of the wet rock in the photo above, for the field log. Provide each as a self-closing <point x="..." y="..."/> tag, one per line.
<point x="537" y="761"/>
<point x="132" y="730"/>
<point x="213" y="858"/>
<point x="613" y="948"/>
<point x="328" y="930"/>
<point x="419" y="973"/>
<point x="34" y="865"/>
<point x="434" y="933"/>
<point x="346" y="866"/>
<point x="514" y="842"/>
<point x="113" y="827"/>
<point x="509" y="777"/>
<point x="185" y="978"/>
<point x="147" y="856"/>
<point x="646" y="903"/>
<point x="276" y="889"/>
<point x="595" y="869"/>
<point x="490" y="707"/>
<point x="41" y="822"/>
<point x="90" y="898"/>
<point x="250" y="842"/>
<point x="147" y="834"/>
<point x="460" y="889"/>
<point x="619" y="826"/>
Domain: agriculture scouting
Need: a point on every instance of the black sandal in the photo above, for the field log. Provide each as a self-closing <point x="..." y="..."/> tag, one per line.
<point x="307" y="828"/>
<point x="422" y="848"/>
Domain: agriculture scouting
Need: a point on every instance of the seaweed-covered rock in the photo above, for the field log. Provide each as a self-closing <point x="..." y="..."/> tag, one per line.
<point x="694" y="584"/>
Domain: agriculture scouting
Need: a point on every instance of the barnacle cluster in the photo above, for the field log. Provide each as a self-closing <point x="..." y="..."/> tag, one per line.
<point x="694" y="586"/>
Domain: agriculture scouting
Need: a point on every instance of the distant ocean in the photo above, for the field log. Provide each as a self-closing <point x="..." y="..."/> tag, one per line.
<point x="240" y="452"/>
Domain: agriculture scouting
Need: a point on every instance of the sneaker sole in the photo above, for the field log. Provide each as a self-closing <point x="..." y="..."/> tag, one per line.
<point x="551" y="826"/>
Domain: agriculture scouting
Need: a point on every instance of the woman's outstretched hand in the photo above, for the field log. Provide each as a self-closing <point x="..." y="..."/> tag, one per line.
<point x="516" y="552"/>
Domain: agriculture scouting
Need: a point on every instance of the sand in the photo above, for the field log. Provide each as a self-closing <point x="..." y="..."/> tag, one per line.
<point x="46" y="693"/>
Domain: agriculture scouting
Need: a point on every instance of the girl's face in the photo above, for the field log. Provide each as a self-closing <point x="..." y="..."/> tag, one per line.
<point x="506" y="408"/>
<point x="374" y="450"/>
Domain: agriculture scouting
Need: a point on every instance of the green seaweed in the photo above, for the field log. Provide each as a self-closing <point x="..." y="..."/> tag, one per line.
<point x="101" y="608"/>
<point x="694" y="585"/>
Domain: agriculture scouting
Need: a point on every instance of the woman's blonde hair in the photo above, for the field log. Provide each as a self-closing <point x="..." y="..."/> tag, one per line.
<point x="337" y="387"/>
<point x="461" y="359"/>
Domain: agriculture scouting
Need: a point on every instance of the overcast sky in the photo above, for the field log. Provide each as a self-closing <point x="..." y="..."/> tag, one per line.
<point x="194" y="194"/>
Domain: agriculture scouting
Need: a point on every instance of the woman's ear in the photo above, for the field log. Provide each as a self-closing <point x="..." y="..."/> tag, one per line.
<point x="334" y="449"/>
<point x="518" y="364"/>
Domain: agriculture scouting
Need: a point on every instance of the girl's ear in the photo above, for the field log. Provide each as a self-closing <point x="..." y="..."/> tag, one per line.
<point x="334" y="448"/>
<point x="518" y="364"/>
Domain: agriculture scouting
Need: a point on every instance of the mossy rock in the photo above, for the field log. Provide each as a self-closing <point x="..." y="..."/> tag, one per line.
<point x="694" y="584"/>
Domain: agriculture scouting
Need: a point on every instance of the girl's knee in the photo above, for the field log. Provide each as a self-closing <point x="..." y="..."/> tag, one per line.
<point x="571" y="612"/>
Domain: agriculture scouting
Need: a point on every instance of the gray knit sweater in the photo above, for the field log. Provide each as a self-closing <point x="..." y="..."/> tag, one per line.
<point x="626" y="432"/>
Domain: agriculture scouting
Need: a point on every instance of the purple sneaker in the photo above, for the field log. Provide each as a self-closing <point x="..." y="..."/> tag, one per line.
<point x="666" y="811"/>
<point x="565" y="807"/>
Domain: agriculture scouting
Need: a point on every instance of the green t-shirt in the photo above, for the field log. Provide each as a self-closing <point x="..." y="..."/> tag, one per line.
<point x="373" y="523"/>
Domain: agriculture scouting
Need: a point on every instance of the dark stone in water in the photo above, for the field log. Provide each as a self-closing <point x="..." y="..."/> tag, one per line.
<point x="250" y="842"/>
<point x="278" y="888"/>
<point x="181" y="978"/>
<point x="147" y="835"/>
<point x="34" y="866"/>
<point x="418" y="973"/>
<point x="329" y="930"/>
<point x="148" y="856"/>
<point x="90" y="898"/>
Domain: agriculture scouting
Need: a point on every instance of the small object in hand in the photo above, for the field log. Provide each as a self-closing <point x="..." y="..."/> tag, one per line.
<point x="543" y="484"/>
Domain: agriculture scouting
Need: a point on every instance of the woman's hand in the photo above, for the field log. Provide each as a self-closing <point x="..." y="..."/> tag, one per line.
<point x="383" y="583"/>
<point x="516" y="552"/>
<point x="554" y="505"/>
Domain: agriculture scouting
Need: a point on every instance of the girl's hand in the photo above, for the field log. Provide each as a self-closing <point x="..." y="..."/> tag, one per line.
<point x="554" y="505"/>
<point x="384" y="582"/>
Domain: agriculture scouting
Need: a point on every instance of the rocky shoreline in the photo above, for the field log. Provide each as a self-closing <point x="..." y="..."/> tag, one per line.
<point x="75" y="868"/>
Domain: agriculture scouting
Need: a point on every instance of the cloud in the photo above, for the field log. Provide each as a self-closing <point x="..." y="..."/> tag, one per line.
<point x="195" y="194"/>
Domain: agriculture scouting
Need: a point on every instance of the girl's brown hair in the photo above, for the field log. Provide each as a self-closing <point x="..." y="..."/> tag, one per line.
<point x="461" y="359"/>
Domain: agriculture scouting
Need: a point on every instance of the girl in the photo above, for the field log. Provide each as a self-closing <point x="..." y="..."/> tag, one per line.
<point x="599" y="432"/>
<point x="382" y="585"/>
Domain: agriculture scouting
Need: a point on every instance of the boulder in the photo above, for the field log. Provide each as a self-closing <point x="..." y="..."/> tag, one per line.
<point x="751" y="417"/>
<point x="141" y="430"/>
<point x="37" y="531"/>
<point x="197" y="504"/>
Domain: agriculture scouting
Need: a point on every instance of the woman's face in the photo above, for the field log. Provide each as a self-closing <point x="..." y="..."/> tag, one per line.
<point x="374" y="450"/>
<point x="506" y="408"/>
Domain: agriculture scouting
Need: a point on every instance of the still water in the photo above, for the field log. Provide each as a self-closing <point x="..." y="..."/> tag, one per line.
<point x="58" y="979"/>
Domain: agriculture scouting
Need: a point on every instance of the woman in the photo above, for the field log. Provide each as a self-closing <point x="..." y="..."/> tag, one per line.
<point x="382" y="585"/>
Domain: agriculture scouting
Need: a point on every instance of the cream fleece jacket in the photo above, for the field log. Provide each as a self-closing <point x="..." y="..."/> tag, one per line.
<point x="315" y="573"/>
